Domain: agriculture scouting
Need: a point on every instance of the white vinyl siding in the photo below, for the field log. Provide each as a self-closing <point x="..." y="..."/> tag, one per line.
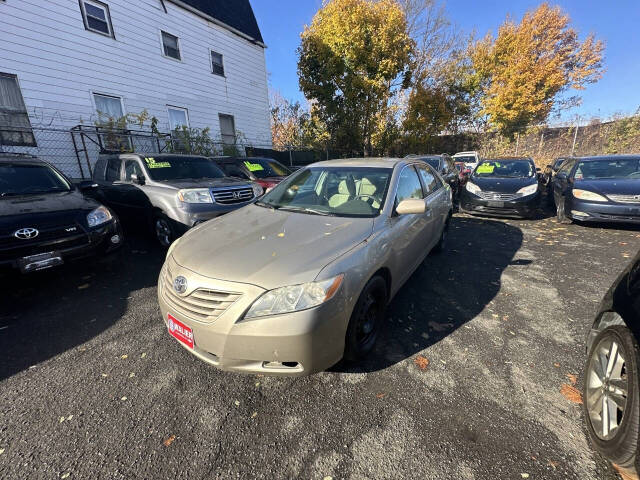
<point x="60" y="65"/>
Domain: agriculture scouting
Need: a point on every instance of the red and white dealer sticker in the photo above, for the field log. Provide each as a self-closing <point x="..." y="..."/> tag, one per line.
<point x="179" y="330"/>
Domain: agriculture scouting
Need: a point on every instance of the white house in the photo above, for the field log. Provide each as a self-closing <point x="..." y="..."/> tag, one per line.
<point x="199" y="63"/>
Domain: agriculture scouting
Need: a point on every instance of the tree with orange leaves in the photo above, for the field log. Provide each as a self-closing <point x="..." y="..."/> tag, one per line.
<point x="527" y="67"/>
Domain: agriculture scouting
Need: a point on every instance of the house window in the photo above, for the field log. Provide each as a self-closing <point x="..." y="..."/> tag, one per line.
<point x="170" y="46"/>
<point x="15" y="127"/>
<point x="108" y="106"/>
<point x="178" y="117"/>
<point x="227" y="129"/>
<point x="96" y="17"/>
<point x="217" y="66"/>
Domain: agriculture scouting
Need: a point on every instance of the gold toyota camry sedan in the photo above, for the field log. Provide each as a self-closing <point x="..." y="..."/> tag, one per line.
<point x="298" y="280"/>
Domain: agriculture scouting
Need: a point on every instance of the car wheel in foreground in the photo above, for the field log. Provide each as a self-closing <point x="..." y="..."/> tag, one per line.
<point x="611" y="404"/>
<point x="560" y="212"/>
<point x="366" y="320"/>
<point x="164" y="230"/>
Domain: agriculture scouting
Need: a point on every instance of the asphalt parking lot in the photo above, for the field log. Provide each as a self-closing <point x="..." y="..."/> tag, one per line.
<point x="472" y="379"/>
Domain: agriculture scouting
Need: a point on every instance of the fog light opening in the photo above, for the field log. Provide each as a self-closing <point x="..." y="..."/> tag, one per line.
<point x="280" y="364"/>
<point x="115" y="239"/>
<point x="577" y="213"/>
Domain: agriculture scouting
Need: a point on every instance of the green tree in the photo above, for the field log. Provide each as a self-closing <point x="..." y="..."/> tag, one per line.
<point x="352" y="56"/>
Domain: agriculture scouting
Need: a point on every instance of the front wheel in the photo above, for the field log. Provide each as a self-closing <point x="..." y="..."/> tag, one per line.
<point x="611" y="405"/>
<point x="366" y="320"/>
<point x="164" y="230"/>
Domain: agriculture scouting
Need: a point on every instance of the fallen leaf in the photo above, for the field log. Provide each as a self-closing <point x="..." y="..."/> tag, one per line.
<point x="421" y="362"/>
<point x="381" y="395"/>
<point x="123" y="399"/>
<point x="257" y="384"/>
<point x="571" y="393"/>
<point x="82" y="287"/>
<point x="524" y="475"/>
<point x="572" y="378"/>
<point x="61" y="420"/>
<point x="143" y="355"/>
<point x="124" y="357"/>
<point x="105" y="374"/>
<point x="169" y="440"/>
<point x="254" y="414"/>
<point x="623" y="243"/>
<point x="65" y="475"/>
<point x="132" y="374"/>
<point x="328" y="477"/>
<point x="237" y="403"/>
<point x="553" y="464"/>
<point x="556" y="364"/>
<point x="1" y="451"/>
<point x="69" y="417"/>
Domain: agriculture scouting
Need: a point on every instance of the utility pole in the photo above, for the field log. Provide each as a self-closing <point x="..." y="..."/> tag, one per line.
<point x="575" y="135"/>
<point x="517" y="142"/>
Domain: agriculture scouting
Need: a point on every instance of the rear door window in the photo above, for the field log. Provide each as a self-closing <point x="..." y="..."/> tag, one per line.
<point x="113" y="169"/>
<point x="428" y="179"/>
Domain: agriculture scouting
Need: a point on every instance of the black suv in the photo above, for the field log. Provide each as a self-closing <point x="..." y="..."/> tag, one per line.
<point x="170" y="192"/>
<point x="445" y="166"/>
<point x="45" y="220"/>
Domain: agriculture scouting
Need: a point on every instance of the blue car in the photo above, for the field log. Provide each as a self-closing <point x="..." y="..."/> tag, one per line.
<point x="598" y="189"/>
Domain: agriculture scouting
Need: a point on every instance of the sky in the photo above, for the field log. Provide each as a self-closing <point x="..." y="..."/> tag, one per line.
<point x="616" y="22"/>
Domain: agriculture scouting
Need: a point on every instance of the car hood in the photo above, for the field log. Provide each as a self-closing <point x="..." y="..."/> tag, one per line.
<point x="268" y="248"/>
<point x="614" y="186"/>
<point x="503" y="185"/>
<point x="205" y="182"/>
<point x="44" y="210"/>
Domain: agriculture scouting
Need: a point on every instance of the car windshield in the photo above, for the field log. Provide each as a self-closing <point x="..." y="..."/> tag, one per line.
<point x="505" y="169"/>
<point x="264" y="167"/>
<point x="336" y="191"/>
<point x="433" y="161"/>
<point x="17" y="179"/>
<point x="558" y="163"/>
<point x="618" y="168"/>
<point x="174" y="167"/>
<point x="465" y="159"/>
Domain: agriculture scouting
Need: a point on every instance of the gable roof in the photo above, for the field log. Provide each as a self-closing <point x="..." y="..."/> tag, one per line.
<point x="236" y="14"/>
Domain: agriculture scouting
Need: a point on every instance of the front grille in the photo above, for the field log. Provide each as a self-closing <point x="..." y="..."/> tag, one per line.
<point x="48" y="239"/>
<point x="229" y="196"/>
<point x="505" y="197"/>
<point x="202" y="304"/>
<point x="625" y="198"/>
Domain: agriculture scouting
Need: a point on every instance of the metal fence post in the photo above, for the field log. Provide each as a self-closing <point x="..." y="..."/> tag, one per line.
<point x="517" y="142"/>
<point x="86" y="153"/>
<point x="290" y="156"/>
<point x="75" y="148"/>
<point x="575" y="136"/>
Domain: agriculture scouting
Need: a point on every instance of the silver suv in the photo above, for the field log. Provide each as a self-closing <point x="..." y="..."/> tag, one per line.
<point x="171" y="192"/>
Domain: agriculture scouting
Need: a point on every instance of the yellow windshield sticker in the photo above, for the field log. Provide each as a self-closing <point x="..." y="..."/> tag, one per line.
<point x="485" y="168"/>
<point x="253" y="167"/>
<point x="151" y="163"/>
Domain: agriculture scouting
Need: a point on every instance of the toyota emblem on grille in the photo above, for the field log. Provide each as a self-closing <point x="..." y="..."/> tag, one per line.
<point x="180" y="284"/>
<point x="26" y="233"/>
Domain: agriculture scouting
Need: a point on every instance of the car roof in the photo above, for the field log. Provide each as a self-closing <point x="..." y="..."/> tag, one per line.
<point x="471" y="152"/>
<point x="506" y="159"/>
<point x="26" y="160"/>
<point x="609" y="157"/>
<point x="380" y="162"/>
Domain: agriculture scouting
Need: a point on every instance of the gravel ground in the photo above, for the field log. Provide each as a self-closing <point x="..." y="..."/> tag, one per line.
<point x="465" y="384"/>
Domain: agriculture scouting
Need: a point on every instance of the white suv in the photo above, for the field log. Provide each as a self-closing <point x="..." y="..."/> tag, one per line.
<point x="470" y="159"/>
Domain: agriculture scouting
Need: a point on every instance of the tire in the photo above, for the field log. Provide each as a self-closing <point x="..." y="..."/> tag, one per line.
<point x="366" y="320"/>
<point x="620" y="444"/>
<point x="560" y="213"/>
<point x="164" y="230"/>
<point x="442" y="242"/>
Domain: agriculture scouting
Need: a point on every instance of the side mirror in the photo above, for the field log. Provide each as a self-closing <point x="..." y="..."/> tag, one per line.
<point x="135" y="179"/>
<point x="411" y="206"/>
<point x="87" y="185"/>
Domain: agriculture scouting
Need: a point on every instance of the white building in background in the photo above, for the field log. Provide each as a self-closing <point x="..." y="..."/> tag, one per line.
<point x="199" y="63"/>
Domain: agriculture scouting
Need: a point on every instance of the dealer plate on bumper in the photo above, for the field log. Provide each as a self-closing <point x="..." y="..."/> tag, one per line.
<point x="180" y="331"/>
<point x="33" y="263"/>
<point x="495" y="203"/>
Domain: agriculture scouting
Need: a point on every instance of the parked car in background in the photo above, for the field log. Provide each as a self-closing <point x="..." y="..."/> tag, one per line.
<point x="611" y="395"/>
<point x="172" y="193"/>
<point x="310" y="268"/>
<point x="266" y="172"/>
<point x="598" y="189"/>
<point x="45" y="220"/>
<point x="471" y="159"/>
<point x="503" y="187"/>
<point x="443" y="164"/>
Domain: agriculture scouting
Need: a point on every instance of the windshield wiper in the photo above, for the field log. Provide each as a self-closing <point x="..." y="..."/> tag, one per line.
<point x="307" y="210"/>
<point x="260" y="203"/>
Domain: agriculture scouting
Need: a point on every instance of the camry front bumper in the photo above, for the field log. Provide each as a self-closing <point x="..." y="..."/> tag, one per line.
<point x="293" y="344"/>
<point x="583" y="211"/>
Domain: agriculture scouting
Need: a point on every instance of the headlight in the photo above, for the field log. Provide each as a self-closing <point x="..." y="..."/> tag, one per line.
<point x="528" y="190"/>
<point x="295" y="297"/>
<point x="587" y="195"/>
<point x="473" y="188"/>
<point x="257" y="190"/>
<point x="99" y="216"/>
<point x="195" y="195"/>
